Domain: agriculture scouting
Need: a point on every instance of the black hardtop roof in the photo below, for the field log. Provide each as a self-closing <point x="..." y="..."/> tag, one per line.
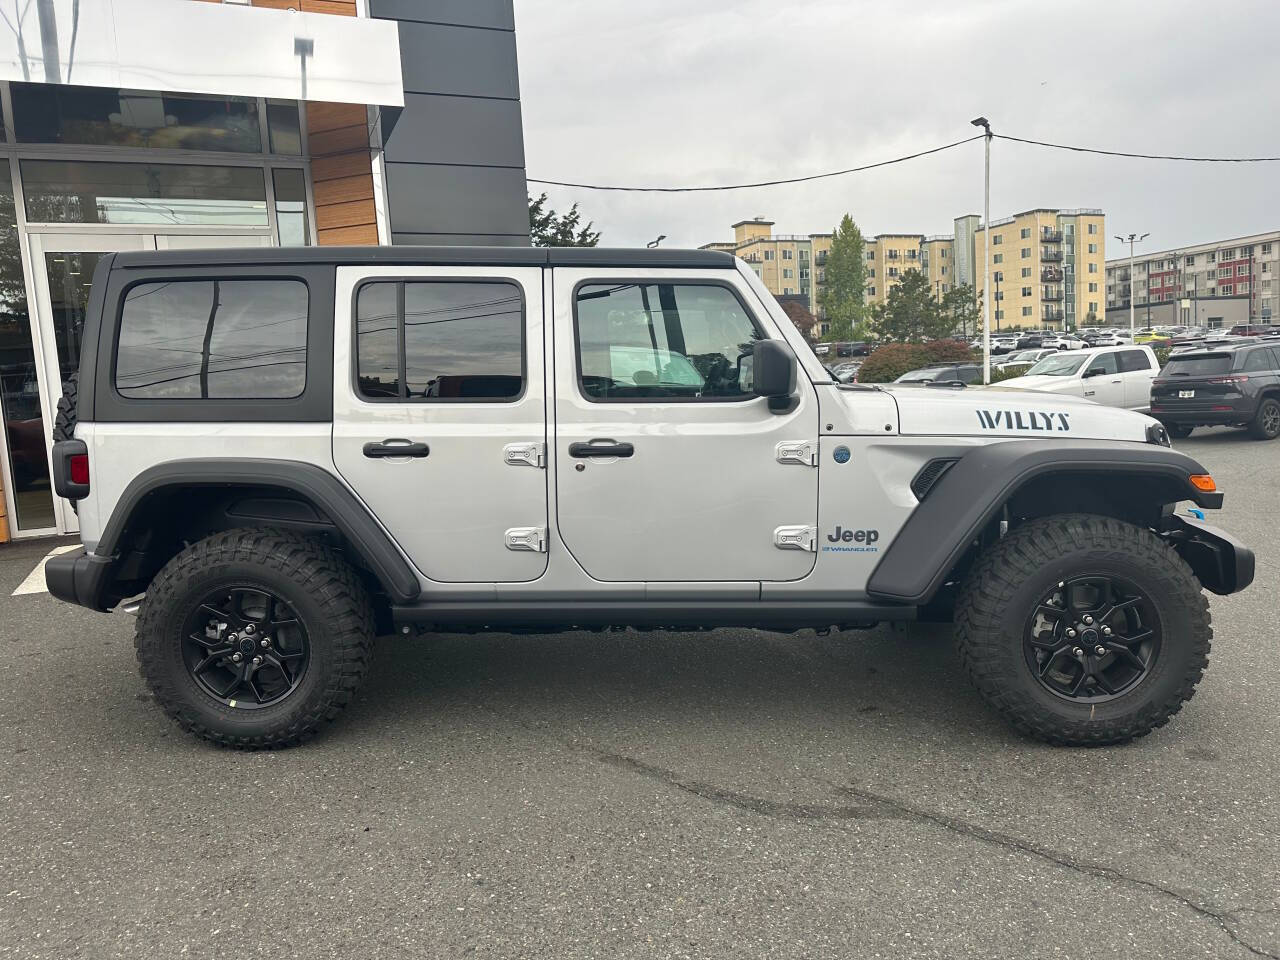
<point x="431" y="257"/>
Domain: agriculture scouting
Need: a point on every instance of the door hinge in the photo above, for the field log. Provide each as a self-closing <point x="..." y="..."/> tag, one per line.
<point x="525" y="454"/>
<point x="804" y="452"/>
<point x="533" y="539"/>
<point x="796" y="538"/>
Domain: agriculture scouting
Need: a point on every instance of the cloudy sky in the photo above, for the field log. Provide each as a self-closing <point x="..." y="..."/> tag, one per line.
<point x="691" y="92"/>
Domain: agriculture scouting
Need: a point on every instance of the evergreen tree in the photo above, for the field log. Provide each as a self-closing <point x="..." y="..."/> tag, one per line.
<point x="844" y="292"/>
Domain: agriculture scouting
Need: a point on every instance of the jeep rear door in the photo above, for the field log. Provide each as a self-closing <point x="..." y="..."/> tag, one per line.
<point x="439" y="414"/>
<point x="668" y="468"/>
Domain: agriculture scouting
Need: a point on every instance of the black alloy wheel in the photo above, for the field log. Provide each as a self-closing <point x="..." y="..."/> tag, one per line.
<point x="245" y="647"/>
<point x="1092" y="639"/>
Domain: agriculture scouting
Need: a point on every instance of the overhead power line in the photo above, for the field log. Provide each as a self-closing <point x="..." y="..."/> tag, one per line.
<point x="762" y="183"/>
<point x="887" y="163"/>
<point x="1136" y="156"/>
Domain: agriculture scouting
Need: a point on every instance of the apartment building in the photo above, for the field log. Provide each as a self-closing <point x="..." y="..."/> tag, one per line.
<point x="1214" y="284"/>
<point x="1047" y="268"/>
<point x="783" y="261"/>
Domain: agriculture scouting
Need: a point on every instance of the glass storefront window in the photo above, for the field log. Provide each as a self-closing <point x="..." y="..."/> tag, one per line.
<point x="284" y="127"/>
<point x="71" y="191"/>
<point x="48" y="113"/>
<point x="19" y="383"/>
<point x="291" y="208"/>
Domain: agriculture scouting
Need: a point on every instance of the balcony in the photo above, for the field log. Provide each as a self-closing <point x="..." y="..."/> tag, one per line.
<point x="1051" y="275"/>
<point x="820" y="258"/>
<point x="1050" y="293"/>
<point x="1048" y="235"/>
<point x="1051" y="255"/>
<point x="1052" y="314"/>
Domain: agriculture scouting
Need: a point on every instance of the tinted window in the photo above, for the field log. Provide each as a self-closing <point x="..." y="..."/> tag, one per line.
<point x="1257" y="360"/>
<point x="228" y="339"/>
<point x="1105" y="362"/>
<point x="1134" y="360"/>
<point x="1197" y="366"/>
<point x="440" y="340"/>
<point x="662" y="341"/>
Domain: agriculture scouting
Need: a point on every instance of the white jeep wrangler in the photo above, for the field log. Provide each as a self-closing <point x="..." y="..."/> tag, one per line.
<point x="286" y="452"/>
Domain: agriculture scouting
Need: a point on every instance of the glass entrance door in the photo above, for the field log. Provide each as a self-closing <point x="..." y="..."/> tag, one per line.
<point x="63" y="265"/>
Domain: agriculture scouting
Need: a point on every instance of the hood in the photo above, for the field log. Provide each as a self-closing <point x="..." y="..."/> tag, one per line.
<point x="1003" y="412"/>
<point x="1038" y="382"/>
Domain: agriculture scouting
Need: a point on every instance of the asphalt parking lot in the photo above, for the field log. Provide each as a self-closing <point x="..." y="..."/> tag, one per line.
<point x="735" y="793"/>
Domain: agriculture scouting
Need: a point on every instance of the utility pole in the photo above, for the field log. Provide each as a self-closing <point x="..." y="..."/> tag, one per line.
<point x="1133" y="283"/>
<point x="986" y="250"/>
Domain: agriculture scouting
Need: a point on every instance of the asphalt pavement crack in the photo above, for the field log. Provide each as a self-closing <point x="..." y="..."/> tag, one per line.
<point x="874" y="806"/>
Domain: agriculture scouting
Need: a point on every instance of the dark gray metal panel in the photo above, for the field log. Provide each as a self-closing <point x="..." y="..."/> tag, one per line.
<point x="494" y="14"/>
<point x="462" y="61"/>
<point x="429" y="198"/>
<point x="463" y="130"/>
<point x="461" y="239"/>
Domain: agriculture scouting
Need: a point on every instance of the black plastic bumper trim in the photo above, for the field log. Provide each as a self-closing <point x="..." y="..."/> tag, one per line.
<point x="1220" y="562"/>
<point x="79" y="577"/>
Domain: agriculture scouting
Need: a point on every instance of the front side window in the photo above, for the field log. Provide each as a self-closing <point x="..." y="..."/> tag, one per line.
<point x="663" y="341"/>
<point x="213" y="339"/>
<point x="1103" y="364"/>
<point x="440" y="340"/>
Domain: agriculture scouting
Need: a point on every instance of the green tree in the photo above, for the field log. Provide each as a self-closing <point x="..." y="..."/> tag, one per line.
<point x="963" y="309"/>
<point x="550" y="229"/>
<point x="843" y="295"/>
<point x="911" y="313"/>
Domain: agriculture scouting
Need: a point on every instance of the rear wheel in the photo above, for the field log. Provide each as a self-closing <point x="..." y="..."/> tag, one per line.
<point x="1266" y="422"/>
<point x="255" y="638"/>
<point x="1083" y="630"/>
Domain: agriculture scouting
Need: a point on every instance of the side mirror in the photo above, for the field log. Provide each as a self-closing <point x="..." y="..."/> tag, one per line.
<point x="1094" y="372"/>
<point x="773" y="373"/>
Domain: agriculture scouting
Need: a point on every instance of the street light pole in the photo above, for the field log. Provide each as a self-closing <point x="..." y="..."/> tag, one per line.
<point x="986" y="250"/>
<point x="1133" y="284"/>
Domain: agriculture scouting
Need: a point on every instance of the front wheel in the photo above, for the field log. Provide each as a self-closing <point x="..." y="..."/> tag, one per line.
<point x="254" y="638"/>
<point x="1083" y="630"/>
<point x="1266" y="422"/>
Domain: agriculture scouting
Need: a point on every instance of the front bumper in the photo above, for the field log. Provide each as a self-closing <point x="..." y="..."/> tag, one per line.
<point x="79" y="577"/>
<point x="1221" y="562"/>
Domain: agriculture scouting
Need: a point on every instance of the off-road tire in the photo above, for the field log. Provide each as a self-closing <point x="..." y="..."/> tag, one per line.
<point x="1265" y="424"/>
<point x="318" y="584"/>
<point x="64" y="423"/>
<point x="1179" y="431"/>
<point x="1005" y="585"/>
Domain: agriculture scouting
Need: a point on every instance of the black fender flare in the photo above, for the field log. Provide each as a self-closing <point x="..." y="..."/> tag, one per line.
<point x="973" y="491"/>
<point x="318" y="486"/>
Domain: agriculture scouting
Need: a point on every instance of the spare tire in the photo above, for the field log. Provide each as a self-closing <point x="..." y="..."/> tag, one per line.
<point x="64" y="424"/>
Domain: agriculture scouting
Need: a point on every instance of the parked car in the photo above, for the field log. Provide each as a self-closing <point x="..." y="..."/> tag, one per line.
<point x="1236" y="384"/>
<point x="566" y="464"/>
<point x="1003" y="345"/>
<point x="846" y="372"/>
<point x="1112" y="338"/>
<point x="1116" y="378"/>
<point x="855" y="349"/>
<point x="1251" y="329"/>
<point x="1064" y="342"/>
<point x="821" y="349"/>
<point x="965" y="373"/>
<point x="1023" y="360"/>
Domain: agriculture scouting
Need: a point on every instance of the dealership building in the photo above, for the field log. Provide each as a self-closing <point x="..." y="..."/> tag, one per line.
<point x="167" y="124"/>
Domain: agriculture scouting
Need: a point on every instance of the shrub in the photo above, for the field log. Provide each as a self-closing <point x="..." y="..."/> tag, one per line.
<point x="890" y="361"/>
<point x="1162" y="356"/>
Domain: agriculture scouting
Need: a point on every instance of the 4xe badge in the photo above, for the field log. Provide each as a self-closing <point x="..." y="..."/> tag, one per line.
<point x="851" y="541"/>
<point x="1024" y="420"/>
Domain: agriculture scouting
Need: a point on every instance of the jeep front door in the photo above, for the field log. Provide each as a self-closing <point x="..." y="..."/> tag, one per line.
<point x="668" y="467"/>
<point x="439" y="415"/>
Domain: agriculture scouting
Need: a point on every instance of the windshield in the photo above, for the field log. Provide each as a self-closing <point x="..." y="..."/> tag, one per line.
<point x="1023" y="356"/>
<point x="1057" y="365"/>
<point x="1197" y="366"/>
<point x="918" y="376"/>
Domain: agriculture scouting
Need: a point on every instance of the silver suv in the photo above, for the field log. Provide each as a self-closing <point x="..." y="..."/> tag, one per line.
<point x="278" y="455"/>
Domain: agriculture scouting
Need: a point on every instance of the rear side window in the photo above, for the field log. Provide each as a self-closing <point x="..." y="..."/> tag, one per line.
<point x="1203" y="365"/>
<point x="1258" y="360"/>
<point x="213" y="339"/>
<point x="663" y="341"/>
<point x="440" y="340"/>
<point x="1131" y="360"/>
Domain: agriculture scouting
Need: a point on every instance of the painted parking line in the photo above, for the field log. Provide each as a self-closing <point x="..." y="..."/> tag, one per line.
<point x="35" y="579"/>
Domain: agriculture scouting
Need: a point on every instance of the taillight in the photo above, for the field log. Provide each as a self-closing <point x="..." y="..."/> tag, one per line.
<point x="1237" y="378"/>
<point x="79" y="468"/>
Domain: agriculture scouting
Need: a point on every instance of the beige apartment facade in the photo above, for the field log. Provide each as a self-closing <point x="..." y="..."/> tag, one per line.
<point x="1047" y="268"/>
